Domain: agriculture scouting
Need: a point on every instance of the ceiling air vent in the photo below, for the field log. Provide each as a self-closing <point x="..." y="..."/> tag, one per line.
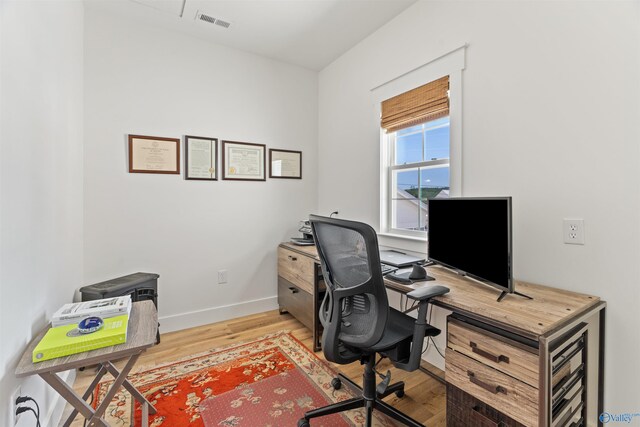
<point x="222" y="23"/>
<point x="210" y="19"/>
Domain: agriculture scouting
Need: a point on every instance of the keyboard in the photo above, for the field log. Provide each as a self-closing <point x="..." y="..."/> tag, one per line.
<point x="386" y="269"/>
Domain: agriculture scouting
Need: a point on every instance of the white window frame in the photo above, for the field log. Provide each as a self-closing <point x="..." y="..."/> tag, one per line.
<point x="452" y="64"/>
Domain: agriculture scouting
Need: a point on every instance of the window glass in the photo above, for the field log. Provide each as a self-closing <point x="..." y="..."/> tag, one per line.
<point x="409" y="148"/>
<point x="434" y="182"/>
<point x="406" y="214"/>
<point x="406" y="181"/>
<point x="437" y="142"/>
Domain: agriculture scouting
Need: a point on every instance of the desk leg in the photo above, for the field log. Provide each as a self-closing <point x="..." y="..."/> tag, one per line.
<point x="70" y="396"/>
<point x="86" y="394"/>
<point x="131" y="388"/>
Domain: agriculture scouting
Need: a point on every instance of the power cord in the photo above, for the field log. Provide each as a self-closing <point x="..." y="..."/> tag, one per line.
<point x="430" y="339"/>
<point x="428" y="322"/>
<point x="436" y="347"/>
<point x="22" y="409"/>
<point x="23" y="399"/>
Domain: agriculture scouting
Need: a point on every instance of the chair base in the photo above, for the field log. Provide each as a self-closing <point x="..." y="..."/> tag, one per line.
<point x="361" y="402"/>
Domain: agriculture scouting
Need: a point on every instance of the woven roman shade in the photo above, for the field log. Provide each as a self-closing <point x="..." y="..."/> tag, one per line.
<point x="419" y="105"/>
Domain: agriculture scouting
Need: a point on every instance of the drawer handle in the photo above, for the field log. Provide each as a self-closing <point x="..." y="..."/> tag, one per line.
<point x="292" y="258"/>
<point x="486" y="354"/>
<point x="495" y="389"/>
<point x="482" y="419"/>
<point x="293" y="290"/>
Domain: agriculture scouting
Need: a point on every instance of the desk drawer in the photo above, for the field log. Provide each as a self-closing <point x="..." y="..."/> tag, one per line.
<point x="297" y="269"/>
<point x="297" y="302"/>
<point x="464" y="410"/>
<point x="494" y="351"/>
<point x="506" y="394"/>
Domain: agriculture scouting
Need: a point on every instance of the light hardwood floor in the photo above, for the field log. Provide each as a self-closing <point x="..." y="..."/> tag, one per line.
<point x="424" y="400"/>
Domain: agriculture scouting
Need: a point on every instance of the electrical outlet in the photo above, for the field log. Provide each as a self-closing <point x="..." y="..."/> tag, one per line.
<point x="13" y="419"/>
<point x="573" y="230"/>
<point x="223" y="276"/>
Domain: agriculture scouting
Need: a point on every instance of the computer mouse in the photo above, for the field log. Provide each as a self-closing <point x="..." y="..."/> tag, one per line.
<point x="418" y="273"/>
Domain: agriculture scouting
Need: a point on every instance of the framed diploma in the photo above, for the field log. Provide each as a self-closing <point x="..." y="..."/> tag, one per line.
<point x="154" y="154"/>
<point x="242" y="161"/>
<point x="285" y="164"/>
<point x="200" y="158"/>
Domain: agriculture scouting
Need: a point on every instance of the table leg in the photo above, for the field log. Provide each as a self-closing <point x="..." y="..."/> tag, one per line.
<point x="70" y="396"/>
<point x="130" y="388"/>
<point x="117" y="383"/>
<point x="145" y="413"/>
<point x="86" y="394"/>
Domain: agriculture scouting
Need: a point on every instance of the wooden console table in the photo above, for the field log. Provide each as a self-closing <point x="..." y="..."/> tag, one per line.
<point x="141" y="334"/>
<point x="508" y="363"/>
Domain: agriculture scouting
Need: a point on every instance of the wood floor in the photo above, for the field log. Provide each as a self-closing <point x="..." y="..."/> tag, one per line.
<point x="424" y="400"/>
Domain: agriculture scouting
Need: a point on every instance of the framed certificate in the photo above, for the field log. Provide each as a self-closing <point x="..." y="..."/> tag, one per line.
<point x="242" y="161"/>
<point x="154" y="154"/>
<point x="285" y="164"/>
<point x="200" y="158"/>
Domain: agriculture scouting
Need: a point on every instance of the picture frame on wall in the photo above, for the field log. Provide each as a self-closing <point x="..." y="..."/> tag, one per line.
<point x="243" y="161"/>
<point x="286" y="164"/>
<point x="154" y="154"/>
<point x="200" y="158"/>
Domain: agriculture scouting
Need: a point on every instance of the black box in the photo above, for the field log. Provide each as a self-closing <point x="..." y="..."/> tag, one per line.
<point x="141" y="287"/>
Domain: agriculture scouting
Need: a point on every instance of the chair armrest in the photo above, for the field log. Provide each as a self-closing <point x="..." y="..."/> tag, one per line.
<point x="427" y="292"/>
<point x="420" y="327"/>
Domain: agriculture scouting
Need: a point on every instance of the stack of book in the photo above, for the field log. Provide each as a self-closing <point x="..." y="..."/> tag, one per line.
<point x="64" y="338"/>
<point x="109" y="307"/>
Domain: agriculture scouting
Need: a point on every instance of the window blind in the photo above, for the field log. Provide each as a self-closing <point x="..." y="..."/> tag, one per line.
<point x="419" y="105"/>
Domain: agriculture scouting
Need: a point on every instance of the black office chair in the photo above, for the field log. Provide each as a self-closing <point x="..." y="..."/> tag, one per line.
<point x="357" y="319"/>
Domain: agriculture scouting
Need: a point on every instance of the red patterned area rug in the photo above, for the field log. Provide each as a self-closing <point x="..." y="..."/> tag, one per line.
<point x="268" y="382"/>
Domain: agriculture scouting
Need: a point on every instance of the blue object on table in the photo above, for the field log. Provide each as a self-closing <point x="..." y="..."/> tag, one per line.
<point x="90" y="324"/>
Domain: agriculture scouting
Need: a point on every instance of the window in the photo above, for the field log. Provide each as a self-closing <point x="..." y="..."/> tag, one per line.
<point x="418" y="169"/>
<point x="420" y="142"/>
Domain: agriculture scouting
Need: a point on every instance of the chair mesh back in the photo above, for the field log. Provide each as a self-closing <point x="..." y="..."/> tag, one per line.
<point x="346" y="259"/>
<point x="345" y="254"/>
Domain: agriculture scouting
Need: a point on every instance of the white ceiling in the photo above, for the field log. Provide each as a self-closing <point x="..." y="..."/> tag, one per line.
<point x="309" y="33"/>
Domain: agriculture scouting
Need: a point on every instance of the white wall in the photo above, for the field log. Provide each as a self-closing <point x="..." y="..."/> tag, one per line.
<point x="550" y="116"/>
<point x="40" y="180"/>
<point x="151" y="81"/>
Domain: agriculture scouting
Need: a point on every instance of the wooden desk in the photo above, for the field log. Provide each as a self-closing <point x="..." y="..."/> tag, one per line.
<point x="534" y="331"/>
<point x="141" y="334"/>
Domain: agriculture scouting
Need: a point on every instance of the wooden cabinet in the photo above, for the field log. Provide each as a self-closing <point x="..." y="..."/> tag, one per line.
<point x="300" y="287"/>
<point x="493" y="379"/>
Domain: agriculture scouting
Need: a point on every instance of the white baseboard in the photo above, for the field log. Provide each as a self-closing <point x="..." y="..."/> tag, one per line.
<point x="176" y="322"/>
<point x="54" y="415"/>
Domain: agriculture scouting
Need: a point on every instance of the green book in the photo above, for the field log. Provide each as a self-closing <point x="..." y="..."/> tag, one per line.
<point x="66" y="340"/>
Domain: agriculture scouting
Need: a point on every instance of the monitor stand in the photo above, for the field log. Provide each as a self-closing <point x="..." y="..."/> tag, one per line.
<point x="505" y="293"/>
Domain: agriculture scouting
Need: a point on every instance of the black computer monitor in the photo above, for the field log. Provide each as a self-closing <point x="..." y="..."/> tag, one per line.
<point x="473" y="237"/>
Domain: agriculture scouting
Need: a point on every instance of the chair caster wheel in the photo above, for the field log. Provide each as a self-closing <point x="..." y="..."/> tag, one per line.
<point x="336" y="383"/>
<point x="400" y="393"/>
<point x="303" y="423"/>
